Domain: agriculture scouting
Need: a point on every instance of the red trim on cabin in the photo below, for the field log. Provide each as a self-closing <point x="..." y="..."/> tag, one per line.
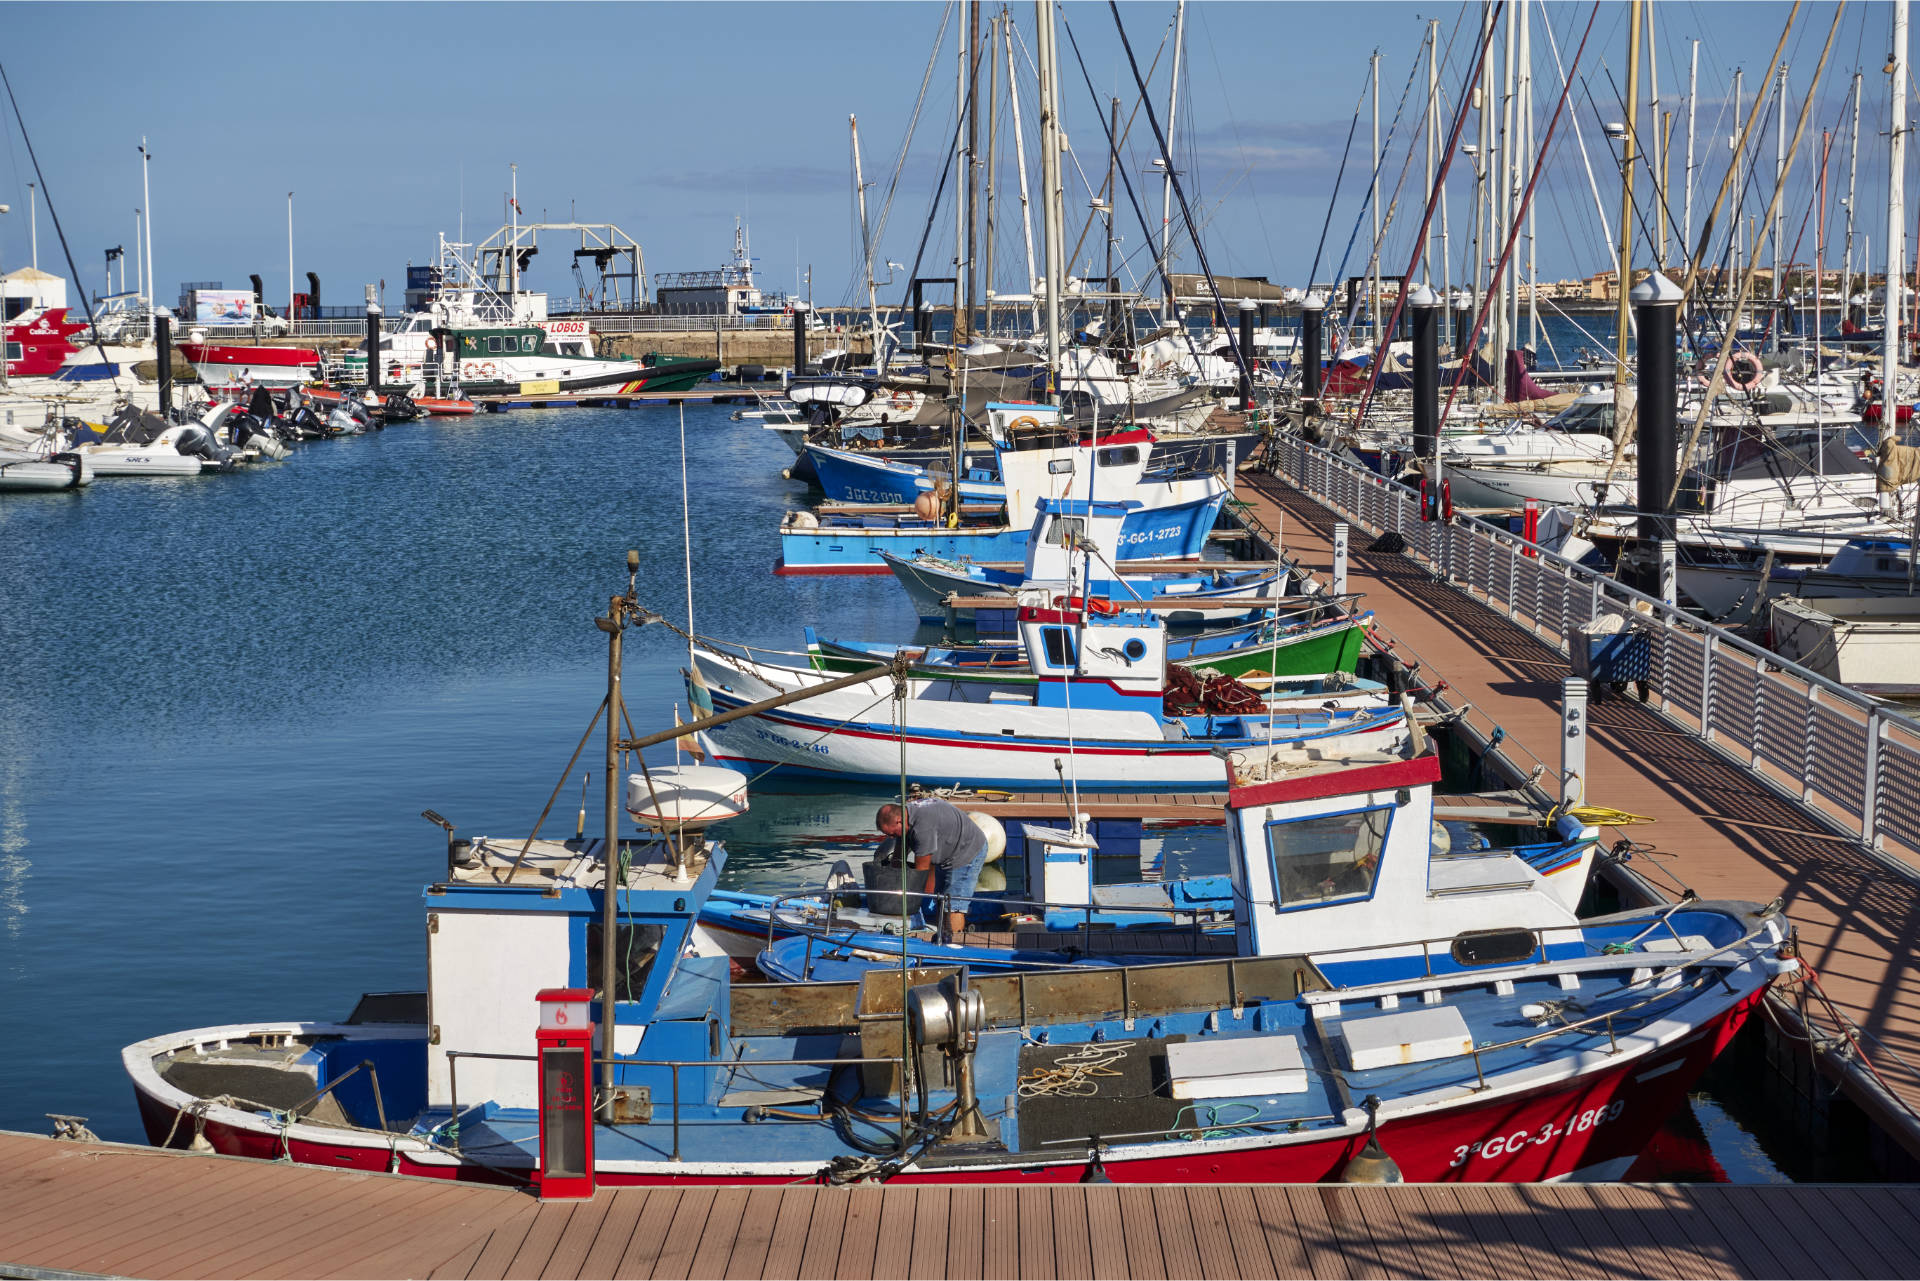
<point x="1356" y="779"/>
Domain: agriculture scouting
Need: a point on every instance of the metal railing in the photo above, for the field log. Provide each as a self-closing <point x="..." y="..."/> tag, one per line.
<point x="1850" y="762"/>
<point x="893" y="1062"/>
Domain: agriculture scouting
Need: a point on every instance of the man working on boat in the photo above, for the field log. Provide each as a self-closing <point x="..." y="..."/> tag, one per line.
<point x="944" y="843"/>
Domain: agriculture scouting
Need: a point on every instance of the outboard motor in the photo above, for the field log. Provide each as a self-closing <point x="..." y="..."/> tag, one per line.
<point x="341" y="420"/>
<point x="195" y="441"/>
<point x="399" y="408"/>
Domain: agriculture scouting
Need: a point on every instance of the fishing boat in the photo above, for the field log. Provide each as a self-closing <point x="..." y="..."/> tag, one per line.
<point x="1255" y="653"/>
<point x="1379" y="1020"/>
<point x="1068" y="922"/>
<point x="1174" y="515"/>
<point x="229" y="364"/>
<point x="1192" y="593"/>
<point x="1101" y="693"/>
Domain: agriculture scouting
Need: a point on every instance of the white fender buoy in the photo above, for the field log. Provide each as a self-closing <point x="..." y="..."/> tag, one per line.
<point x="996" y="834"/>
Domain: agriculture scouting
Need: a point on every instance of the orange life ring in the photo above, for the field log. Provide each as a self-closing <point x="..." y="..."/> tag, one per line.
<point x="902" y="400"/>
<point x="1025" y="420"/>
<point x="1743" y="369"/>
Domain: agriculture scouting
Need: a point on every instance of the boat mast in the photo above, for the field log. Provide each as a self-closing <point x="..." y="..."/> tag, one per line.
<point x="146" y="203"/>
<point x="1530" y="160"/>
<point x="973" y="165"/>
<point x="1693" y="85"/>
<point x="513" y="248"/>
<point x="1050" y="193"/>
<point x="1112" y="308"/>
<point x="1020" y="164"/>
<point x="1166" y="183"/>
<point x="1779" y="212"/>
<point x="993" y="159"/>
<point x="1373" y="262"/>
<point x="1896" y="237"/>
<point x="1625" y="279"/>
<point x="958" y="326"/>
<point x="1737" y="143"/>
<point x="1505" y="203"/>
<point x="1853" y="174"/>
<point x="1446" y="253"/>
<point x="1482" y="162"/>
<point x="1659" y="148"/>
<point x="866" y="239"/>
<point x="1433" y="145"/>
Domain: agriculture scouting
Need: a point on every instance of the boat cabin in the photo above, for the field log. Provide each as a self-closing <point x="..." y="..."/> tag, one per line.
<point x="1333" y="850"/>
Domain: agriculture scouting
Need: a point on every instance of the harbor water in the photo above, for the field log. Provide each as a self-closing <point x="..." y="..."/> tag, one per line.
<point x="228" y="699"/>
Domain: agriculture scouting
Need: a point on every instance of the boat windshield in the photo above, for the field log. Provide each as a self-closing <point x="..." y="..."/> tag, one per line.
<point x="1588" y="417"/>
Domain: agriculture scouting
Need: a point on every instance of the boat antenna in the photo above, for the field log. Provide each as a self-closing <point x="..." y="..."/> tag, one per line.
<point x="53" y="213"/>
<point x="686" y="528"/>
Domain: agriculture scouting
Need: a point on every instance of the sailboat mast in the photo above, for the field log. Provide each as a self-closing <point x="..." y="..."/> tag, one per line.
<point x="1779" y="212"/>
<point x="1853" y="175"/>
<point x="1506" y="312"/>
<point x="1693" y="86"/>
<point x="1020" y="164"/>
<point x="957" y="327"/>
<point x="866" y="238"/>
<point x="993" y="158"/>
<point x="1373" y="262"/>
<point x="1433" y="146"/>
<point x="1166" y="182"/>
<point x="1531" y="160"/>
<point x="1113" y="164"/>
<point x="1626" y="204"/>
<point x="1896" y="235"/>
<point x="1050" y="193"/>
<point x="973" y="169"/>
<point x="1659" y="143"/>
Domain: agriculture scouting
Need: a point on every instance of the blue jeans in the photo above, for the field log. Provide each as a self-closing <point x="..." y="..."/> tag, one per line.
<point x="959" y="882"/>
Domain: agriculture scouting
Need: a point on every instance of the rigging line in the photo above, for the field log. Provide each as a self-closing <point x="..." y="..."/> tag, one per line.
<point x="1433" y="203"/>
<point x="1360" y="216"/>
<point x="1513" y="234"/>
<point x="1253" y="192"/>
<point x="933" y="210"/>
<point x="913" y="124"/>
<point x="1113" y="145"/>
<point x="53" y="214"/>
<point x="1133" y="199"/>
<point x="1353" y="127"/>
<point x="1179" y="191"/>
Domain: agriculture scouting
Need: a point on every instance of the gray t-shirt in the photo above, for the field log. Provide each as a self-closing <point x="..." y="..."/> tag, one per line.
<point x="942" y="832"/>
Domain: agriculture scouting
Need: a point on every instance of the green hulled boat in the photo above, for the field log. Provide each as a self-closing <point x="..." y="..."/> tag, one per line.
<point x="1280" y="648"/>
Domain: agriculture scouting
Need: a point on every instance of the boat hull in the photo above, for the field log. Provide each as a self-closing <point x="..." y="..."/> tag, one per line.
<point x="1590" y="1124"/>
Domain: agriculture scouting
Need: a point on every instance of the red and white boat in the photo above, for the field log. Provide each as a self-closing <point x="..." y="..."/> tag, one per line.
<point x="1394" y="1009"/>
<point x="230" y="364"/>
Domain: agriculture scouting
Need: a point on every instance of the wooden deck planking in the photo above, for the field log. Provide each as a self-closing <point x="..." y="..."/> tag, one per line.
<point x="583" y="1230"/>
<point x="820" y="1258"/>
<point x="176" y="1215"/>
<point x="1735" y="840"/>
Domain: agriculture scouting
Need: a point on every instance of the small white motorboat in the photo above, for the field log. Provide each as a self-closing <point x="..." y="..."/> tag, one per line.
<point x="22" y="470"/>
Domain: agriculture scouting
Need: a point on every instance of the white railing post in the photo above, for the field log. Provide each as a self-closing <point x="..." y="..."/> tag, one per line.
<point x="1573" y="740"/>
<point x="1341" y="531"/>
<point x="1706" y="687"/>
<point x="1807" y="756"/>
<point x="1669" y="572"/>
<point x="1870" y="799"/>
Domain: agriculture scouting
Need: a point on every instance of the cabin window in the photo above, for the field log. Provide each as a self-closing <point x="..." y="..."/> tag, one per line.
<point x="14" y="351"/>
<point x="635" y="948"/>
<point x="1331" y="859"/>
<point x="1119" y="456"/>
<point x="493" y="344"/>
<point x="1057" y="644"/>
<point x="1062" y="530"/>
<point x="17" y="307"/>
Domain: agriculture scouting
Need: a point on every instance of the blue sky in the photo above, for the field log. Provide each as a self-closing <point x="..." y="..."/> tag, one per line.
<point x="669" y="119"/>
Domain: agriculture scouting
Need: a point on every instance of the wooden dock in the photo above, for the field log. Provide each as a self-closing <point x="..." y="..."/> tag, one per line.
<point x="1716" y="830"/>
<point x="108" y="1209"/>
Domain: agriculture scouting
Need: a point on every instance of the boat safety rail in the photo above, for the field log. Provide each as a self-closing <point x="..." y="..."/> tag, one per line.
<point x="1850" y="762"/>
<point x="1196" y="917"/>
<point x="892" y="1062"/>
